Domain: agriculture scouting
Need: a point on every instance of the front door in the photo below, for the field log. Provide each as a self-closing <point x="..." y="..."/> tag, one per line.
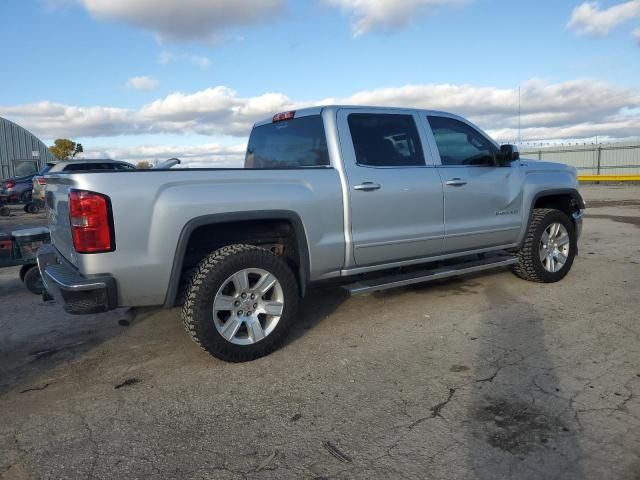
<point x="483" y="201"/>
<point x="395" y="192"/>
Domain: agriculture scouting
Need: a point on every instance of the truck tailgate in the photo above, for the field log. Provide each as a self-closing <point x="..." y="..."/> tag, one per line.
<point x="57" y="202"/>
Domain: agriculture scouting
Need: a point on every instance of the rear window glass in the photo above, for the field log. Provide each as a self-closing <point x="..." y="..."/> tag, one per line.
<point x="45" y="169"/>
<point x="75" y="167"/>
<point x="293" y="143"/>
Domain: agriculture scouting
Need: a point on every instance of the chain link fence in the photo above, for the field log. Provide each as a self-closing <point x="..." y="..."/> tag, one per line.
<point x="612" y="159"/>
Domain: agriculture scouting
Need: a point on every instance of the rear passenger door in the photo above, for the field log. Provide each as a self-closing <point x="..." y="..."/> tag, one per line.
<point x="394" y="191"/>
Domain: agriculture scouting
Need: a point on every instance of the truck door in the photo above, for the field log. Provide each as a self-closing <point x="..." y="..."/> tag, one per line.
<point x="394" y="190"/>
<point x="482" y="201"/>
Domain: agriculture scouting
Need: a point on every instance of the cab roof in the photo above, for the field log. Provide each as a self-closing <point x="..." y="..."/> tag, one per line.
<point x="317" y="110"/>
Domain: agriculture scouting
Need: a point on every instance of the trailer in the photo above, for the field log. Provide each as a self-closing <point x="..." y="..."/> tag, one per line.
<point x="19" y="248"/>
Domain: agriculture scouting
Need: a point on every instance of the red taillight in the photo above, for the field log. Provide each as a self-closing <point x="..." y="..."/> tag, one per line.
<point x="9" y="184"/>
<point x="279" y="117"/>
<point x="41" y="181"/>
<point x="91" y="223"/>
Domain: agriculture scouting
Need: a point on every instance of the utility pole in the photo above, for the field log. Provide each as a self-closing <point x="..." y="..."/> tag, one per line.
<point x="519" y="115"/>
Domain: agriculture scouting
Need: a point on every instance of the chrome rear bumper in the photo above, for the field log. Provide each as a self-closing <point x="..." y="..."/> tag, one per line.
<point x="78" y="294"/>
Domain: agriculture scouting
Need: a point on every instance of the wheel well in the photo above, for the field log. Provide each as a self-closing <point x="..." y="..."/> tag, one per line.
<point x="277" y="235"/>
<point x="563" y="202"/>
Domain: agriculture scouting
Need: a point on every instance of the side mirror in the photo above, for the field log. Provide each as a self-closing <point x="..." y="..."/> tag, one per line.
<point x="508" y="153"/>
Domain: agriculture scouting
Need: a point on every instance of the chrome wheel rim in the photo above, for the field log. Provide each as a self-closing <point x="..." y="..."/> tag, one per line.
<point x="554" y="247"/>
<point x="248" y="306"/>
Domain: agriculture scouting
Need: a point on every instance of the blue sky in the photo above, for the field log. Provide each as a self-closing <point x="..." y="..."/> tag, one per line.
<point x="70" y="66"/>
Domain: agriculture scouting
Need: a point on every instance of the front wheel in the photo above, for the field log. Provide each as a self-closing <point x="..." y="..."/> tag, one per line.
<point x="241" y="303"/>
<point x="549" y="247"/>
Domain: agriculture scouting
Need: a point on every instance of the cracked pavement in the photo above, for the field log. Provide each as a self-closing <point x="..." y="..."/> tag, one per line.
<point x="482" y="377"/>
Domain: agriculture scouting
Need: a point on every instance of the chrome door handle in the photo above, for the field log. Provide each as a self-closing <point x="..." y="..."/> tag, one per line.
<point x="367" y="186"/>
<point x="456" y="182"/>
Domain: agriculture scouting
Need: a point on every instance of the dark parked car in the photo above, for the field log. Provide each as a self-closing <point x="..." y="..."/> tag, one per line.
<point x="17" y="189"/>
<point x="80" y="165"/>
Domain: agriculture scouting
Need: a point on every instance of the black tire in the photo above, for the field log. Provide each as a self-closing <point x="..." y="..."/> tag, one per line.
<point x="210" y="276"/>
<point x="530" y="266"/>
<point x="33" y="281"/>
<point x="32" y="207"/>
<point x="24" y="269"/>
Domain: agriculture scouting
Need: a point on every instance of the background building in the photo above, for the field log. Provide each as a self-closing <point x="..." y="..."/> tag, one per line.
<point x="21" y="152"/>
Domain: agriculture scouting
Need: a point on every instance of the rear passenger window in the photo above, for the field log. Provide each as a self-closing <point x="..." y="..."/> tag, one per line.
<point x="385" y="140"/>
<point x="293" y="143"/>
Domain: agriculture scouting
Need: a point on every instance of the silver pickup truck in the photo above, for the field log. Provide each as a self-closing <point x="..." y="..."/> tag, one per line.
<point x="370" y="197"/>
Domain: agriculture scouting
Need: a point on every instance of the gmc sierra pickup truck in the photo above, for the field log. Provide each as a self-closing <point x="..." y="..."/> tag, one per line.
<point x="371" y="197"/>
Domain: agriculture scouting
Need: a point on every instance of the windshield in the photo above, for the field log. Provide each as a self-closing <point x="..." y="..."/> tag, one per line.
<point x="294" y="143"/>
<point x="45" y="169"/>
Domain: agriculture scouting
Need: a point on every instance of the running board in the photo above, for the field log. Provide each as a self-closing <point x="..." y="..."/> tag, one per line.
<point x="427" y="275"/>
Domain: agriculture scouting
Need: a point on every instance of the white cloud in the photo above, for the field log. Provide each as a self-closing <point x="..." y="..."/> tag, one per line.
<point x="143" y="83"/>
<point x="369" y="15"/>
<point x="185" y="19"/>
<point x="636" y="35"/>
<point x="572" y="109"/>
<point x="199" y="61"/>
<point x="589" y="19"/>
<point x="206" y="155"/>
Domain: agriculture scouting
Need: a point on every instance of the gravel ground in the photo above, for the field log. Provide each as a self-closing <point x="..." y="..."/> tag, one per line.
<point x="483" y="377"/>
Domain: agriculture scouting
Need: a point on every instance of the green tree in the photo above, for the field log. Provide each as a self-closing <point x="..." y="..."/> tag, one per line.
<point x="64" y="149"/>
<point x="78" y="149"/>
<point x="144" y="165"/>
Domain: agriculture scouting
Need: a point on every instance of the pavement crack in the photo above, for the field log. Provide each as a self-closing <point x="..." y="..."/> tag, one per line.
<point x="435" y="410"/>
<point x="490" y="378"/>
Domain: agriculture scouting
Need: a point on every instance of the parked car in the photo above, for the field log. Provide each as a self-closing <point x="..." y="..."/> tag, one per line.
<point x="17" y="189"/>
<point x="370" y="197"/>
<point x="40" y="183"/>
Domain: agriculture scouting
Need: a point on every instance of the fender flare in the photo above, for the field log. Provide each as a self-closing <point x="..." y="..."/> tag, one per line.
<point x="205" y="220"/>
<point x="572" y="192"/>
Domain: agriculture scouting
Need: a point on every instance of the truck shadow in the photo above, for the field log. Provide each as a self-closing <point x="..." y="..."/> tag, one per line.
<point x="37" y="336"/>
<point x="318" y="304"/>
<point x="518" y="407"/>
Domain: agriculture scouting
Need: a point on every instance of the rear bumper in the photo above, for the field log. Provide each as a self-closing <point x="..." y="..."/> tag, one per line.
<point x="79" y="294"/>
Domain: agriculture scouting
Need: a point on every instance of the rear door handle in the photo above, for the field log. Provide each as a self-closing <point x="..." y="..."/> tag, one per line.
<point x="456" y="182"/>
<point x="367" y="186"/>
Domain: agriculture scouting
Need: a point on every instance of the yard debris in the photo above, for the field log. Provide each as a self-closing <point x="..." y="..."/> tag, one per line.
<point x="335" y="452"/>
<point x="35" y="389"/>
<point x="267" y="461"/>
<point x="128" y="382"/>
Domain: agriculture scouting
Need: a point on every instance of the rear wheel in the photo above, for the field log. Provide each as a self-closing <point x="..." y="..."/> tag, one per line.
<point x="549" y="247"/>
<point x="241" y="303"/>
<point x="33" y="281"/>
<point x="32" y="207"/>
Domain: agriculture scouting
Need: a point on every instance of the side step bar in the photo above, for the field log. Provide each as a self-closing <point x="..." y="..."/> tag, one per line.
<point x="427" y="275"/>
